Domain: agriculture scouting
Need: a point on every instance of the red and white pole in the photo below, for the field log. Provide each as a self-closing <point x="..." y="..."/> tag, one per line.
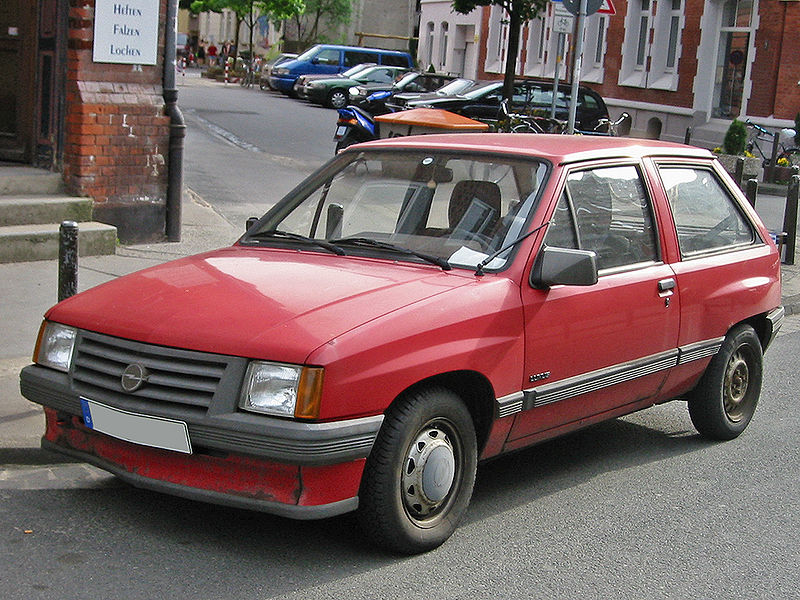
<point x="226" y="72"/>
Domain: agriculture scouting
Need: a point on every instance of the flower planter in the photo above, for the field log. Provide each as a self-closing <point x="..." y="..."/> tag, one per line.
<point x="782" y="174"/>
<point x="752" y="165"/>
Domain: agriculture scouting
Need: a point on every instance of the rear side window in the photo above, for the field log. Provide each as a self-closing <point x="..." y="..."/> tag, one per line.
<point x="706" y="217"/>
<point x="394" y="60"/>
<point x="606" y="210"/>
<point x="357" y="57"/>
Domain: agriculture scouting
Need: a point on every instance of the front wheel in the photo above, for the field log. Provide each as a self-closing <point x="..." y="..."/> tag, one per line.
<point x="337" y="99"/>
<point x="419" y="476"/>
<point x="724" y="401"/>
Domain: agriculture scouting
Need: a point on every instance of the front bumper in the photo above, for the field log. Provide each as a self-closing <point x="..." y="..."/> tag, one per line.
<point x="282" y="84"/>
<point x="302" y="470"/>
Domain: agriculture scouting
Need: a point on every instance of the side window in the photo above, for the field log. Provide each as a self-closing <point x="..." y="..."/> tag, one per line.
<point x="706" y="216"/>
<point x="328" y="56"/>
<point x="606" y="210"/>
<point x="355" y="57"/>
<point x="393" y="60"/>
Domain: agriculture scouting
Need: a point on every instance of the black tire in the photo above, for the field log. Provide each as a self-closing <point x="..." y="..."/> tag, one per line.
<point x="337" y="98"/>
<point x="419" y="476"/>
<point x="724" y="401"/>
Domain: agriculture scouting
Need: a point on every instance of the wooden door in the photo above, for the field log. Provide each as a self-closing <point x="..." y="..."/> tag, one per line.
<point x="18" y="36"/>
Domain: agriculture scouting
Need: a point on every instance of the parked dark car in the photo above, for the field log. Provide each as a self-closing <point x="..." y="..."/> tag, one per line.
<point x="419" y="82"/>
<point x="457" y="86"/>
<point x="301" y="81"/>
<point x="333" y="91"/>
<point x="530" y="96"/>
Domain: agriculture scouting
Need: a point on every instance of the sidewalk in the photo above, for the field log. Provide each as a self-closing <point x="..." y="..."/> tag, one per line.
<point x="29" y="289"/>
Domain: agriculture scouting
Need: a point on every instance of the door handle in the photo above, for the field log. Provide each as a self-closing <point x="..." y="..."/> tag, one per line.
<point x="666" y="285"/>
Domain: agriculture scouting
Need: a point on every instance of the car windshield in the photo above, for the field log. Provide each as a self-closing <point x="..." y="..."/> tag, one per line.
<point x="482" y="90"/>
<point x="443" y="205"/>
<point x="455" y="87"/>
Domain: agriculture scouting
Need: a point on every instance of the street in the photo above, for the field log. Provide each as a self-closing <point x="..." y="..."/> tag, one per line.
<point x="638" y="507"/>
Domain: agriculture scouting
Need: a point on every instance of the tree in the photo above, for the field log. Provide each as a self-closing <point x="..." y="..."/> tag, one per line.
<point x="519" y="11"/>
<point x="307" y="23"/>
<point x="248" y="11"/>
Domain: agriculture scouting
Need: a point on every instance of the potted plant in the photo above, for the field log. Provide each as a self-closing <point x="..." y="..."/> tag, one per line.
<point x="783" y="171"/>
<point x="733" y="147"/>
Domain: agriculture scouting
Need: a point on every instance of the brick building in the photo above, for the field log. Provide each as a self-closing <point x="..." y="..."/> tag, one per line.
<point x="93" y="113"/>
<point x="672" y="64"/>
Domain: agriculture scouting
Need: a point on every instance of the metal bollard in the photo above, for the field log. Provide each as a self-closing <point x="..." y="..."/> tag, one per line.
<point x="226" y="72"/>
<point x="752" y="191"/>
<point x="67" y="260"/>
<point x="687" y="139"/>
<point x="790" y="219"/>
<point x="739" y="171"/>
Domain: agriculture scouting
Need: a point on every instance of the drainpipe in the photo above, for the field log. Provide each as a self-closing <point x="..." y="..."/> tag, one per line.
<point x="177" y="127"/>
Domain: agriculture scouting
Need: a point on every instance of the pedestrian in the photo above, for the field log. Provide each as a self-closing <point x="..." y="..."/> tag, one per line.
<point x="212" y="54"/>
<point x="225" y="52"/>
<point x="201" y="52"/>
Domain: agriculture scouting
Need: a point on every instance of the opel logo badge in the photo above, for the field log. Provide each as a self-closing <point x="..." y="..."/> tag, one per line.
<point x="134" y="377"/>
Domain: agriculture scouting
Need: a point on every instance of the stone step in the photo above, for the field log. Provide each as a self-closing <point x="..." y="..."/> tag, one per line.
<point x="36" y="209"/>
<point x="22" y="243"/>
<point x="18" y="180"/>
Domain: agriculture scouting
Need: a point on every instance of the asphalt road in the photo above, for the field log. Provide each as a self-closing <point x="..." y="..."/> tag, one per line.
<point x="638" y="507"/>
<point x="246" y="148"/>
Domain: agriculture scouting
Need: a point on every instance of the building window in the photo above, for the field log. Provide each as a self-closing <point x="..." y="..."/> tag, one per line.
<point x="651" y="48"/>
<point x="443" y="45"/>
<point x="430" y="43"/>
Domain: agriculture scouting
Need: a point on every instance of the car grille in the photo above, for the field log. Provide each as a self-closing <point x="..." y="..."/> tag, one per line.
<point x="174" y="376"/>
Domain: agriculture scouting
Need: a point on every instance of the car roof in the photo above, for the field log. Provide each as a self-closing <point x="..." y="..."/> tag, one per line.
<point x="558" y="149"/>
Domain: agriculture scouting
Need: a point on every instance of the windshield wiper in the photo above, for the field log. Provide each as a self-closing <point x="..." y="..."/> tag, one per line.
<point x="277" y="233"/>
<point x="369" y="242"/>
<point x="482" y="265"/>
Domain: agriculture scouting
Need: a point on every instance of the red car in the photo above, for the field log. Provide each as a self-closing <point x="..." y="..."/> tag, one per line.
<point x="418" y="305"/>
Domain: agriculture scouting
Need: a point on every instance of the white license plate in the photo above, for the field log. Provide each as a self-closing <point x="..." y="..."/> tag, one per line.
<point x="340" y="131"/>
<point x="147" y="430"/>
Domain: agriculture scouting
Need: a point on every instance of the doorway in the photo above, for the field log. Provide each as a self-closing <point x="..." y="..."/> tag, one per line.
<point x="18" y="37"/>
<point x="732" y="59"/>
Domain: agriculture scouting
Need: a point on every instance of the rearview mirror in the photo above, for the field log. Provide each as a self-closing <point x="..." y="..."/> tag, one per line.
<point x="564" y="266"/>
<point x="250" y="222"/>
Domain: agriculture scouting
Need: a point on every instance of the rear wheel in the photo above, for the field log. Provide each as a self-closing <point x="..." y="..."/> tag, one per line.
<point x="419" y="477"/>
<point x="337" y="98"/>
<point x="725" y="399"/>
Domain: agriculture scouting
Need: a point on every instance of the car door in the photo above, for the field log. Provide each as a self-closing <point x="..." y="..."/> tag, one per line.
<point x="592" y="350"/>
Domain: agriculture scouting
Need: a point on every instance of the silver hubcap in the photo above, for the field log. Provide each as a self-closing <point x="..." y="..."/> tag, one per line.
<point x="737" y="379"/>
<point x="428" y="473"/>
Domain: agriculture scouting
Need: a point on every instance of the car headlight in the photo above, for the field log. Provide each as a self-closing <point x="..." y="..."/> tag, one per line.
<point x="280" y="71"/>
<point x="354" y="91"/>
<point x="54" y="346"/>
<point x="282" y="390"/>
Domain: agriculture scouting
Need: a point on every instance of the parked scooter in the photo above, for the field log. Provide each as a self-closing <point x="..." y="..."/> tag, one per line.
<point x="358" y="124"/>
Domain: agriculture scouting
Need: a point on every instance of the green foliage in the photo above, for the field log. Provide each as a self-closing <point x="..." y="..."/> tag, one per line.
<point x="518" y="11"/>
<point x="277" y="9"/>
<point x="735" y="138"/>
<point x="308" y="22"/>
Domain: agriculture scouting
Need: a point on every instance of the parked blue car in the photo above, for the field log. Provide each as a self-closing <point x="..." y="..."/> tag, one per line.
<point x="330" y="59"/>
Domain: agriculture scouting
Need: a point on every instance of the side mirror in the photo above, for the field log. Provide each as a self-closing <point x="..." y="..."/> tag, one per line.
<point x="250" y="222"/>
<point x="564" y="266"/>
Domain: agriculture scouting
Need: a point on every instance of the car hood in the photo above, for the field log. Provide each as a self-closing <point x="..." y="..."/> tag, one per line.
<point x="260" y="303"/>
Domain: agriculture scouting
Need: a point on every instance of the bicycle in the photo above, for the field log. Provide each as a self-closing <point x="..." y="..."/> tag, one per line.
<point x="788" y="152"/>
<point x="523" y="123"/>
<point x="251" y="74"/>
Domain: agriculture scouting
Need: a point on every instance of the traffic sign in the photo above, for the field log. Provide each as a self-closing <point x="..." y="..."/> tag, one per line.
<point x="604" y="7"/>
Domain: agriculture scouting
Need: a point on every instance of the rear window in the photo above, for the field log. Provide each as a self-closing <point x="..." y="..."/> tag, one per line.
<point x="356" y="57"/>
<point x="394" y="60"/>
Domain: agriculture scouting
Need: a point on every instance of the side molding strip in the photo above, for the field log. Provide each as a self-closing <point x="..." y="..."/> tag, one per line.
<point x="603" y="378"/>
